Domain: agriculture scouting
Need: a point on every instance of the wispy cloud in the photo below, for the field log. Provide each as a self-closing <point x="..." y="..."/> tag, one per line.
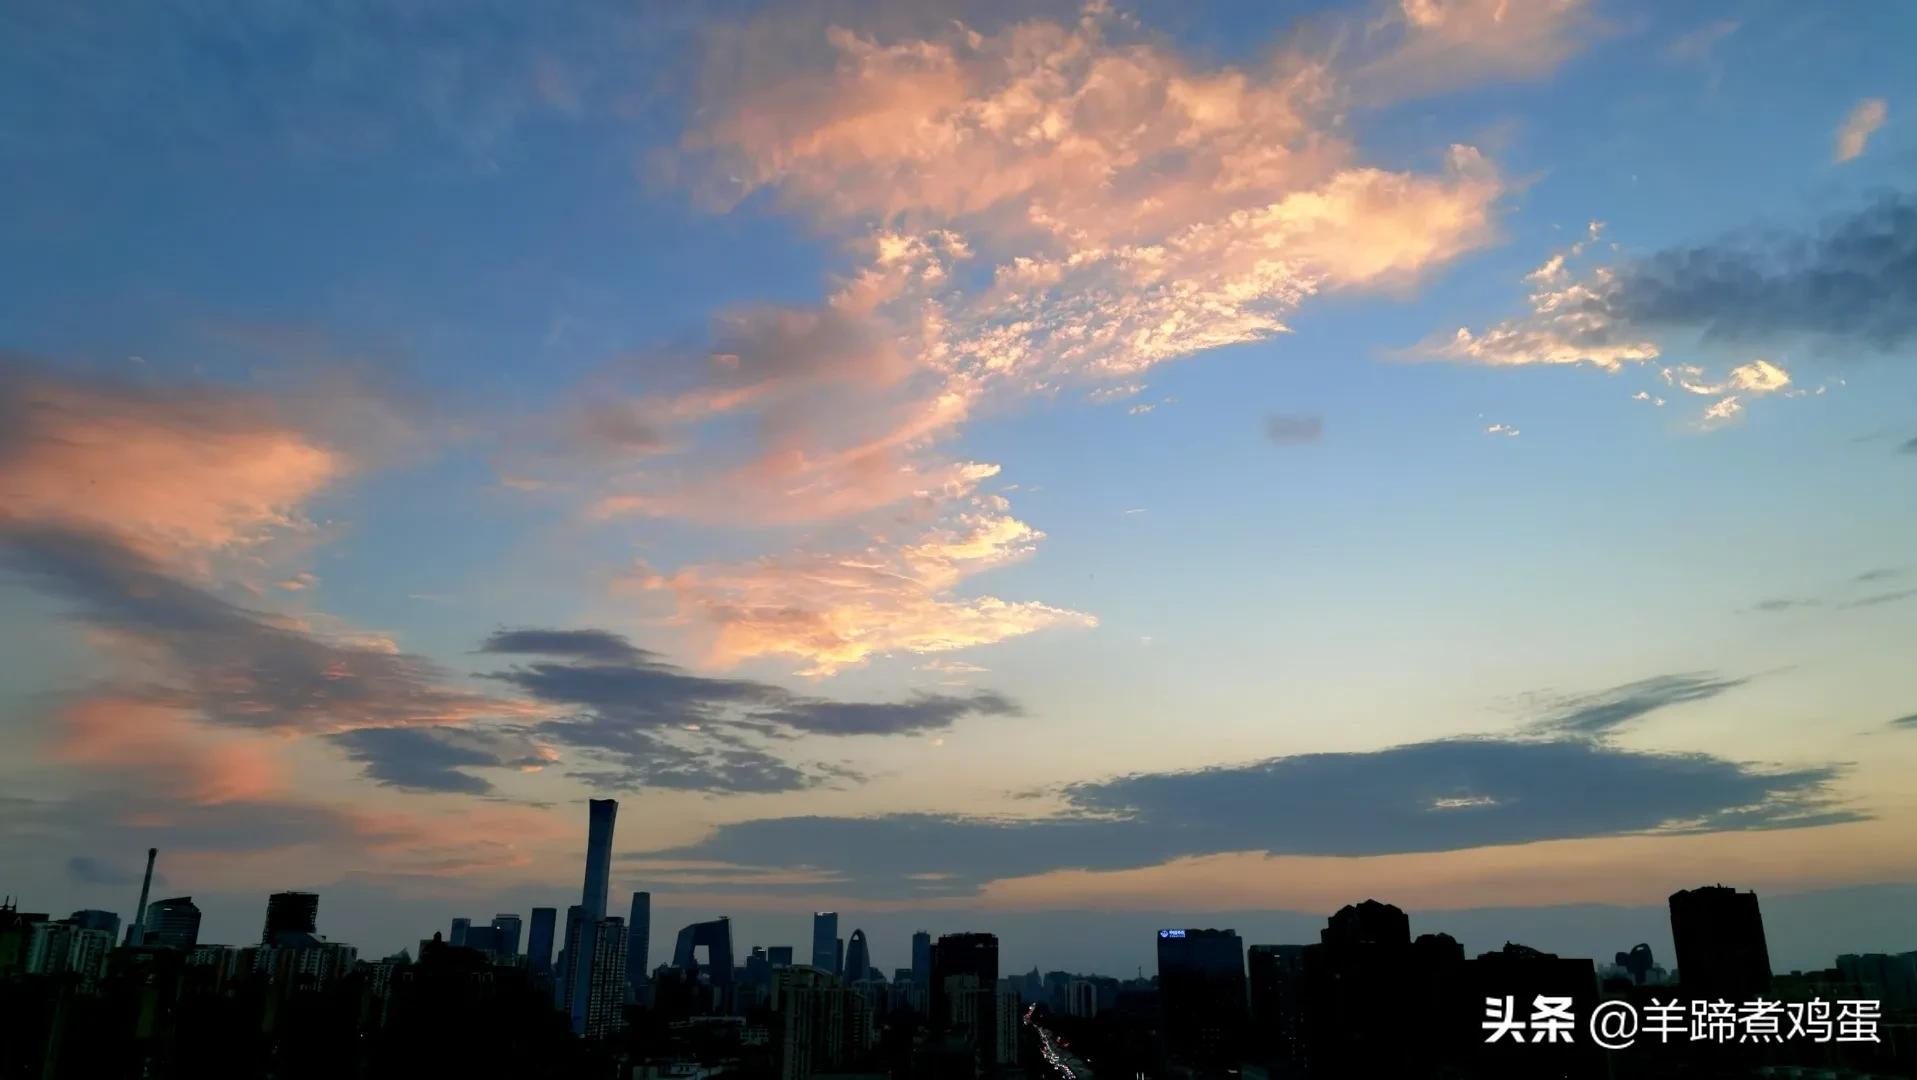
<point x="1853" y="135"/>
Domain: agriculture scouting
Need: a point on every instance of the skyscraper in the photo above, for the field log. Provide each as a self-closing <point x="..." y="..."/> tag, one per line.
<point x="1201" y="983"/>
<point x="638" y="940"/>
<point x="506" y="931"/>
<point x="922" y="959"/>
<point x="461" y="927"/>
<point x="290" y="912"/>
<point x="173" y="923"/>
<point x="606" y="979"/>
<point x="1277" y="981"/>
<point x="601" y="815"/>
<point x="539" y="941"/>
<point x="95" y="919"/>
<point x="582" y="946"/>
<point x="715" y="937"/>
<point x="965" y="992"/>
<point x="858" y="958"/>
<point x="825" y="941"/>
<point x="1721" y="952"/>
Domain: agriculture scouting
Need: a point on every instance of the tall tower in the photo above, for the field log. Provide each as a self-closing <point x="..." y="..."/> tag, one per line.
<point x="858" y="958"/>
<point x="922" y="959"/>
<point x="136" y="933"/>
<point x="583" y="954"/>
<point x="639" y="933"/>
<point x="598" y="856"/>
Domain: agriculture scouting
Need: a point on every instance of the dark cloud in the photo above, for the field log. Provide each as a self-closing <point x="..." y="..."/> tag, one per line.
<point x="1910" y="446"/>
<point x="1878" y="574"/>
<point x="1905" y="722"/>
<point x="579" y="644"/>
<point x="1881" y="598"/>
<point x="1434" y="796"/>
<point x="87" y="870"/>
<point x="1599" y="714"/>
<point x="649" y="723"/>
<point x="1853" y="280"/>
<point x="230" y="664"/>
<point x="1786" y="603"/>
<point x="1294" y="429"/>
<point x="433" y="758"/>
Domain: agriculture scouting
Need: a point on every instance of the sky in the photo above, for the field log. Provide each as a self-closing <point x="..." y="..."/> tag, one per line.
<point x="1059" y="467"/>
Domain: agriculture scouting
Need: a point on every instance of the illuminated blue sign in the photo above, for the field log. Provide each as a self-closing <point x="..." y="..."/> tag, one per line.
<point x="1171" y="933"/>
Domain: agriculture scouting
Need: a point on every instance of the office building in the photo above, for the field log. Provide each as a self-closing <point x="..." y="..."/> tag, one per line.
<point x="964" y="1002"/>
<point x="825" y="941"/>
<point x="922" y="959"/>
<point x="712" y="979"/>
<point x="506" y="935"/>
<point x="1201" y="982"/>
<point x="583" y="947"/>
<point x="1276" y="979"/>
<point x="638" y="941"/>
<point x="539" y="940"/>
<point x="457" y="936"/>
<point x="290" y="912"/>
<point x="858" y="959"/>
<point x="1081" y="999"/>
<point x="605" y="1011"/>
<point x="172" y="923"/>
<point x="811" y="1025"/>
<point x="95" y="919"/>
<point x="779" y="955"/>
<point x="1719" y="934"/>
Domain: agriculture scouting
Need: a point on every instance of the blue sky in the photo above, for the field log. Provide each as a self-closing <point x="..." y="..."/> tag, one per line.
<point x="762" y="350"/>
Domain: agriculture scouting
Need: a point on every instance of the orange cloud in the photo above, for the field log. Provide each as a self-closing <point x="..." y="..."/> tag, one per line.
<point x="838" y="610"/>
<point x="168" y="751"/>
<point x="172" y="473"/>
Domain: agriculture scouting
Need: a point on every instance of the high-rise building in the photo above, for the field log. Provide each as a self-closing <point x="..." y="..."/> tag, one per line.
<point x="484" y="939"/>
<point x="290" y="912"/>
<point x="715" y="937"/>
<point x="779" y="955"/>
<point x="858" y="958"/>
<point x="562" y="971"/>
<point x="606" y="984"/>
<point x="583" y="947"/>
<point x="638" y="941"/>
<point x="1081" y="998"/>
<point x="964" y="992"/>
<point x="539" y="941"/>
<point x="457" y="937"/>
<point x="506" y="931"/>
<point x="1276" y="977"/>
<point x="95" y="919"/>
<point x="922" y="959"/>
<point x="1201" y="983"/>
<point x="811" y="1024"/>
<point x="1719" y="934"/>
<point x="173" y="923"/>
<point x="601" y="813"/>
<point x="825" y="941"/>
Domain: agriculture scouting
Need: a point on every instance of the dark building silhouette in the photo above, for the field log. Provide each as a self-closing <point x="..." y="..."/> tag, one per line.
<point x="1356" y="980"/>
<point x="638" y="940"/>
<point x="539" y="940"/>
<point x="1201" y="985"/>
<point x="965" y="996"/>
<point x="506" y="929"/>
<point x="715" y="937"/>
<point x="290" y="913"/>
<point x="858" y="958"/>
<point x="136" y="933"/>
<point x="779" y="955"/>
<point x="457" y="937"/>
<point x="582" y="945"/>
<point x="1719" y="934"/>
<point x="922" y="959"/>
<point x="173" y="923"/>
<point x="95" y="919"/>
<point x="1638" y="962"/>
<point x="825" y="941"/>
<point x="1276" y="982"/>
<point x="1525" y="974"/>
